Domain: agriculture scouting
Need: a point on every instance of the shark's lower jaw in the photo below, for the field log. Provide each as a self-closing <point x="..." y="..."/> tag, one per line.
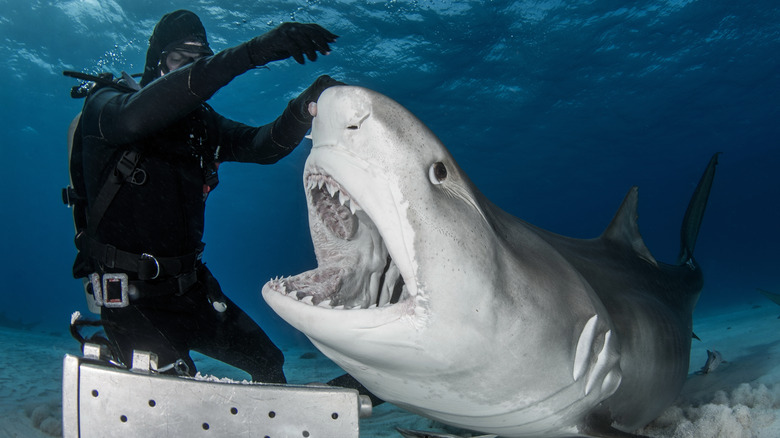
<point x="356" y="270"/>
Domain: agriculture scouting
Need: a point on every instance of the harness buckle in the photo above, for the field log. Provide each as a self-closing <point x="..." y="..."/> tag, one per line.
<point x="70" y="197"/>
<point x="147" y="256"/>
<point x="115" y="287"/>
<point x="126" y="165"/>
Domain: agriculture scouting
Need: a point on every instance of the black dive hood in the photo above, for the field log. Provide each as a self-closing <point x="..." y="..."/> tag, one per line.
<point x="173" y="29"/>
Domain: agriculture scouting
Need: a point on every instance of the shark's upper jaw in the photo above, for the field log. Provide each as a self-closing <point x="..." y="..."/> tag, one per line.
<point x="356" y="269"/>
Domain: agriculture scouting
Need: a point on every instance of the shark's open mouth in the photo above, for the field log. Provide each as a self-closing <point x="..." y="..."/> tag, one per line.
<point x="356" y="270"/>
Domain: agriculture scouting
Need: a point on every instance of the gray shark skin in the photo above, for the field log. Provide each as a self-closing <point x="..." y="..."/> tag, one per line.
<point x="443" y="304"/>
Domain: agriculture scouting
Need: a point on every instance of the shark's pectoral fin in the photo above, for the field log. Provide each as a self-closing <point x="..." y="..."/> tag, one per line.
<point x="624" y="231"/>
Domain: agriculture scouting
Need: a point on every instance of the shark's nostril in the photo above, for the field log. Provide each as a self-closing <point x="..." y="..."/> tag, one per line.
<point x="354" y="124"/>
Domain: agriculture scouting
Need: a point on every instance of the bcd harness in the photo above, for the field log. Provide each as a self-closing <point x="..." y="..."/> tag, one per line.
<point x="109" y="289"/>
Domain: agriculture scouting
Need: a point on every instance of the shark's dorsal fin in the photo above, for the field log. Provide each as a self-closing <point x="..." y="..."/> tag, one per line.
<point x="624" y="231"/>
<point x="695" y="212"/>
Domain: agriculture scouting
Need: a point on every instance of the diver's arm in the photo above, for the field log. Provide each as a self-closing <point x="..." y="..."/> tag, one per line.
<point x="129" y="117"/>
<point x="263" y="145"/>
<point x="268" y="144"/>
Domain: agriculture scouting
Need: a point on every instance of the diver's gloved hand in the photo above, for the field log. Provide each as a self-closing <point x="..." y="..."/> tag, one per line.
<point x="300" y="105"/>
<point x="290" y="39"/>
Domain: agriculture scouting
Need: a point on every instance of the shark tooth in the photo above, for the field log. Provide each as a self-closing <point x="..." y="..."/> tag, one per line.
<point x="332" y="189"/>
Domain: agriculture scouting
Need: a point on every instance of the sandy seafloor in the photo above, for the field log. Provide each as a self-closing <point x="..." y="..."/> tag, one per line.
<point x="741" y="398"/>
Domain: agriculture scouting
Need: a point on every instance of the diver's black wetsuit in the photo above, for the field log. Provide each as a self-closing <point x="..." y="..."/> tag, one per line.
<point x="161" y="211"/>
<point x="176" y="138"/>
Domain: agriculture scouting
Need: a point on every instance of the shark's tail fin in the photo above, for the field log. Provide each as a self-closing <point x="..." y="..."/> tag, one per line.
<point x="695" y="213"/>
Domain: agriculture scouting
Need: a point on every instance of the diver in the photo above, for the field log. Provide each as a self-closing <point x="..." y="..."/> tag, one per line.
<point x="149" y="158"/>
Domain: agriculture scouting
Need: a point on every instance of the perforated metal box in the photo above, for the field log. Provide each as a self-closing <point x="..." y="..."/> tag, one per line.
<point x="101" y="401"/>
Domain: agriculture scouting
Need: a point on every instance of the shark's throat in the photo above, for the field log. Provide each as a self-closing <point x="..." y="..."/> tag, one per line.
<point x="356" y="270"/>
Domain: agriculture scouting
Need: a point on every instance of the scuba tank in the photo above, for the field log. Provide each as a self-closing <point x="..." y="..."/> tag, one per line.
<point x="74" y="195"/>
<point x="73" y="199"/>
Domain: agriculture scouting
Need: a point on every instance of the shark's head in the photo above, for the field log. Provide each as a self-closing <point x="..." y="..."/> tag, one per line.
<point x="419" y="293"/>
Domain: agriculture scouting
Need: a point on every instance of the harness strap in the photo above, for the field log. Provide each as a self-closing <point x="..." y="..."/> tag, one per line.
<point x="178" y="285"/>
<point x="147" y="266"/>
<point x="125" y="168"/>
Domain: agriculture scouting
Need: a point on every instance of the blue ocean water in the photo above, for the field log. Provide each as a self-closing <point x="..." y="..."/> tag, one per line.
<point x="554" y="109"/>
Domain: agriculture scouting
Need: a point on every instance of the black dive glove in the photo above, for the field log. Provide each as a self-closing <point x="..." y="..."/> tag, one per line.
<point x="288" y="130"/>
<point x="290" y="39"/>
<point x="300" y="105"/>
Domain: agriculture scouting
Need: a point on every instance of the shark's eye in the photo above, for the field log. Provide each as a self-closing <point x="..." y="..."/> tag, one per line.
<point x="437" y="172"/>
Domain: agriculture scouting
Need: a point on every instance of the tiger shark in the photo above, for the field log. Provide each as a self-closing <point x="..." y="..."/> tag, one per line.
<point x="441" y="303"/>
